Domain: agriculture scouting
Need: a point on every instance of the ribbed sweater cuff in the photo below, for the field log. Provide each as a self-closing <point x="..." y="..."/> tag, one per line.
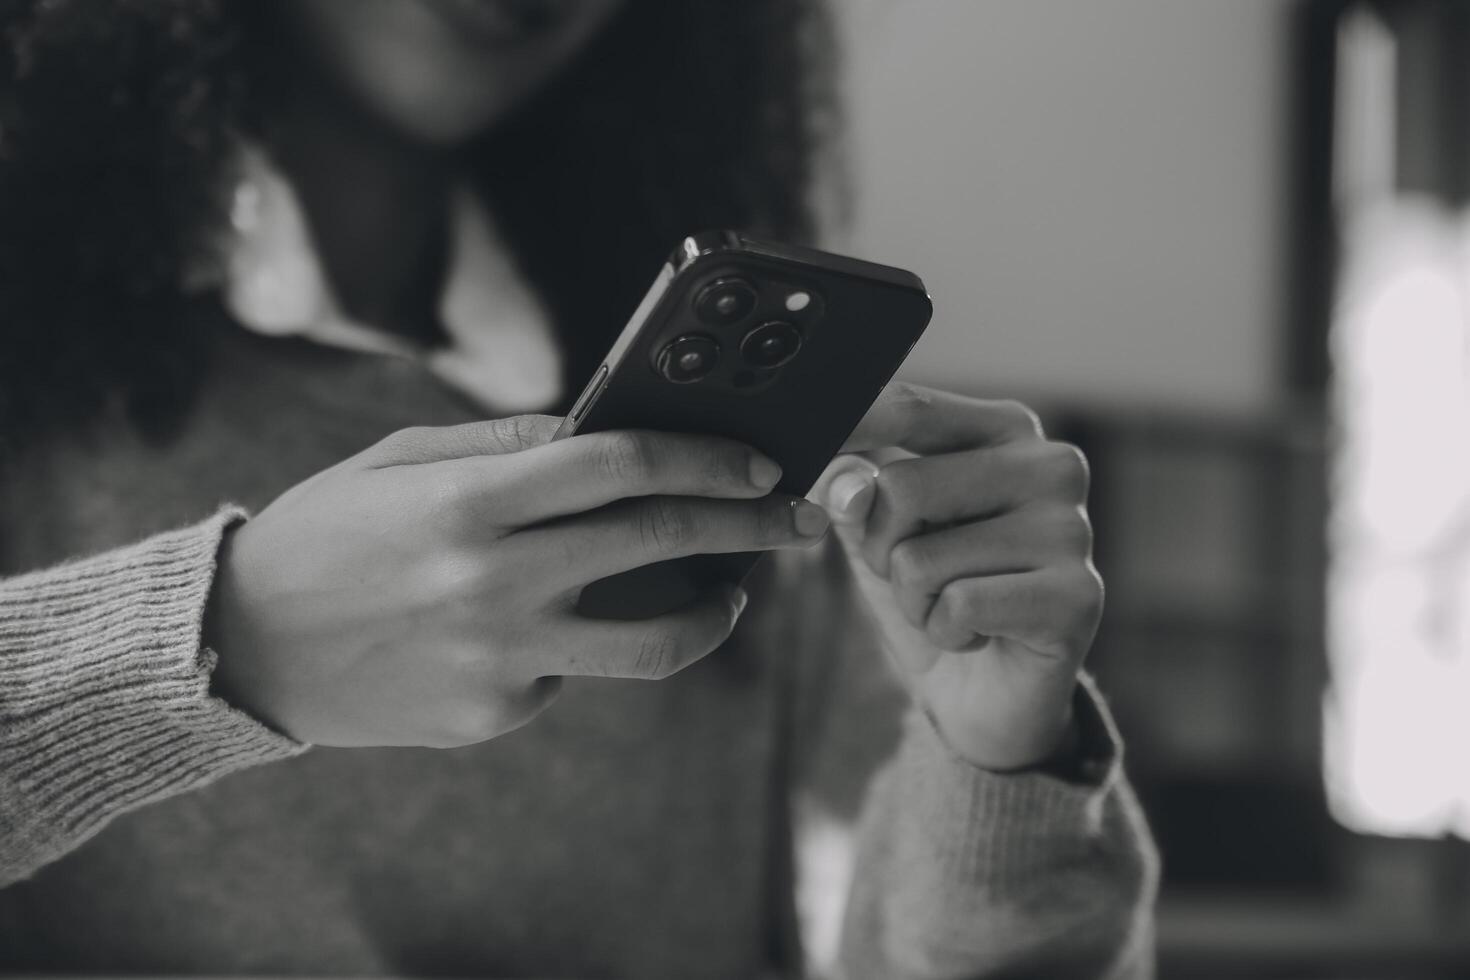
<point x="1008" y="828"/>
<point x="966" y="872"/>
<point x="104" y="693"/>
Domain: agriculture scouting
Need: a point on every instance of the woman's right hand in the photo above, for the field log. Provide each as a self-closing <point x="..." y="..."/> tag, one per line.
<point x="424" y="591"/>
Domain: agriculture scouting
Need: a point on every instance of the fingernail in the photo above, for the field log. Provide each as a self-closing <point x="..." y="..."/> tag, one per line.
<point x="845" y="488"/>
<point x="811" y="521"/>
<point x="739" y="598"/>
<point x="764" y="473"/>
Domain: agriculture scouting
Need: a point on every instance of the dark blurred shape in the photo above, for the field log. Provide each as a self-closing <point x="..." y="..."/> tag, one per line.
<point x="1209" y="534"/>
<point x="1433" y="119"/>
<point x="1308" y="218"/>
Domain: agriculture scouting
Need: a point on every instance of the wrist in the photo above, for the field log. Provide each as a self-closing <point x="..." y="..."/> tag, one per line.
<point x="1045" y="740"/>
<point x="233" y="679"/>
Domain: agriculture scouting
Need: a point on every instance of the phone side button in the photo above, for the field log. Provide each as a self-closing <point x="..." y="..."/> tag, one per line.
<point x="589" y="394"/>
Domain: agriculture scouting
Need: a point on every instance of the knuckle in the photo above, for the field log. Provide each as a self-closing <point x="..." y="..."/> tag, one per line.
<point x="658" y="655"/>
<point x="910" y="566"/>
<point x="1067" y="471"/>
<point x="413" y="435"/>
<point x="958" y="601"/>
<point x="1092" y="593"/>
<point x="403" y="442"/>
<point x="665" y="526"/>
<point x="624" y="459"/>
<point x="910" y="398"/>
<point x="464" y="578"/>
<point x="1074" y="532"/>
<point x="952" y="611"/>
<point x="518" y="432"/>
<point x="1079" y="597"/>
<point x="1023" y="417"/>
<point x="901" y="484"/>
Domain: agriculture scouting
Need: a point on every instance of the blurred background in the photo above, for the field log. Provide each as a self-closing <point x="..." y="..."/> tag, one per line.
<point x="1222" y="245"/>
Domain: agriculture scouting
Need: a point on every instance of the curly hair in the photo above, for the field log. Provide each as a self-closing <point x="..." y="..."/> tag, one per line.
<point x="119" y="121"/>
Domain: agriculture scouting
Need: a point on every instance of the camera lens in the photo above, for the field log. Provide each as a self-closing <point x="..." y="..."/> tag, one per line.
<point x="725" y="301"/>
<point x="771" y="344"/>
<point x="688" y="359"/>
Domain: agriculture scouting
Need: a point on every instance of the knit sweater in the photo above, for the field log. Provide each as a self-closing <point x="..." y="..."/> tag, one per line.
<point x="635" y="829"/>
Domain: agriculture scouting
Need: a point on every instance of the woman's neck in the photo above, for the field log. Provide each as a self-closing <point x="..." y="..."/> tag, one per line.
<point x="376" y="207"/>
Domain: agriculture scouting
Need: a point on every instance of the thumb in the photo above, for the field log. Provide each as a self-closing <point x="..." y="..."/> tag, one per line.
<point x="494" y="437"/>
<point x="847" y="489"/>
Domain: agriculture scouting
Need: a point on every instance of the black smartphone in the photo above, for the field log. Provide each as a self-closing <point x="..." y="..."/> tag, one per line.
<point x="781" y="347"/>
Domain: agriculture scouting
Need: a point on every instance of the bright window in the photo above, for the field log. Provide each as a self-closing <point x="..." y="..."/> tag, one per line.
<point x="1398" y="713"/>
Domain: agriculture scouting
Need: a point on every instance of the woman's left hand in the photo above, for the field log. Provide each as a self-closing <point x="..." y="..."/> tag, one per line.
<point x="975" y="556"/>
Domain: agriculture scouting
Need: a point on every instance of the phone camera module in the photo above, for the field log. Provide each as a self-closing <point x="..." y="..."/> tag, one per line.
<point x="771" y="344"/>
<point x="725" y="301"/>
<point x="688" y="359"/>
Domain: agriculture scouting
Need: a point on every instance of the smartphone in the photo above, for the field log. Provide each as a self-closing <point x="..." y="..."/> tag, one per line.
<point x="781" y="347"/>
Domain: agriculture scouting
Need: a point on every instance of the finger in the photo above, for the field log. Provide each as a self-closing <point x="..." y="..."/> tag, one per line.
<point x="924" y="420"/>
<point x="632" y="533"/>
<point x="914" y="495"/>
<point x="1020" y="541"/>
<point x="432" y="444"/>
<point x="846" y="489"/>
<point x="650" y="649"/>
<point x="1054" y="611"/>
<point x="585" y="472"/>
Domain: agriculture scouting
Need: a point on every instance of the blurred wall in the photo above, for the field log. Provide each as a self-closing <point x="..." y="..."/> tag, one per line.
<point x="1092" y="189"/>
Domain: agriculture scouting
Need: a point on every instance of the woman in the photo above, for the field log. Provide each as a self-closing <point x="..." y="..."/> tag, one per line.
<point x="290" y="254"/>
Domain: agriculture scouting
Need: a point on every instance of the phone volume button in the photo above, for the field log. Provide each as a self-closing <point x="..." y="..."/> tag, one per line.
<point x="589" y="394"/>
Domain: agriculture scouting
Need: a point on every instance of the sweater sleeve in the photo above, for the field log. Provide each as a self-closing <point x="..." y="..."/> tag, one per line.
<point x="962" y="872"/>
<point x="104" y="693"/>
<point x="949" y="871"/>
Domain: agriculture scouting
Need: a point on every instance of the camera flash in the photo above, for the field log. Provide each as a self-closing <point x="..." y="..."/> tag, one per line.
<point x="798" y="301"/>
